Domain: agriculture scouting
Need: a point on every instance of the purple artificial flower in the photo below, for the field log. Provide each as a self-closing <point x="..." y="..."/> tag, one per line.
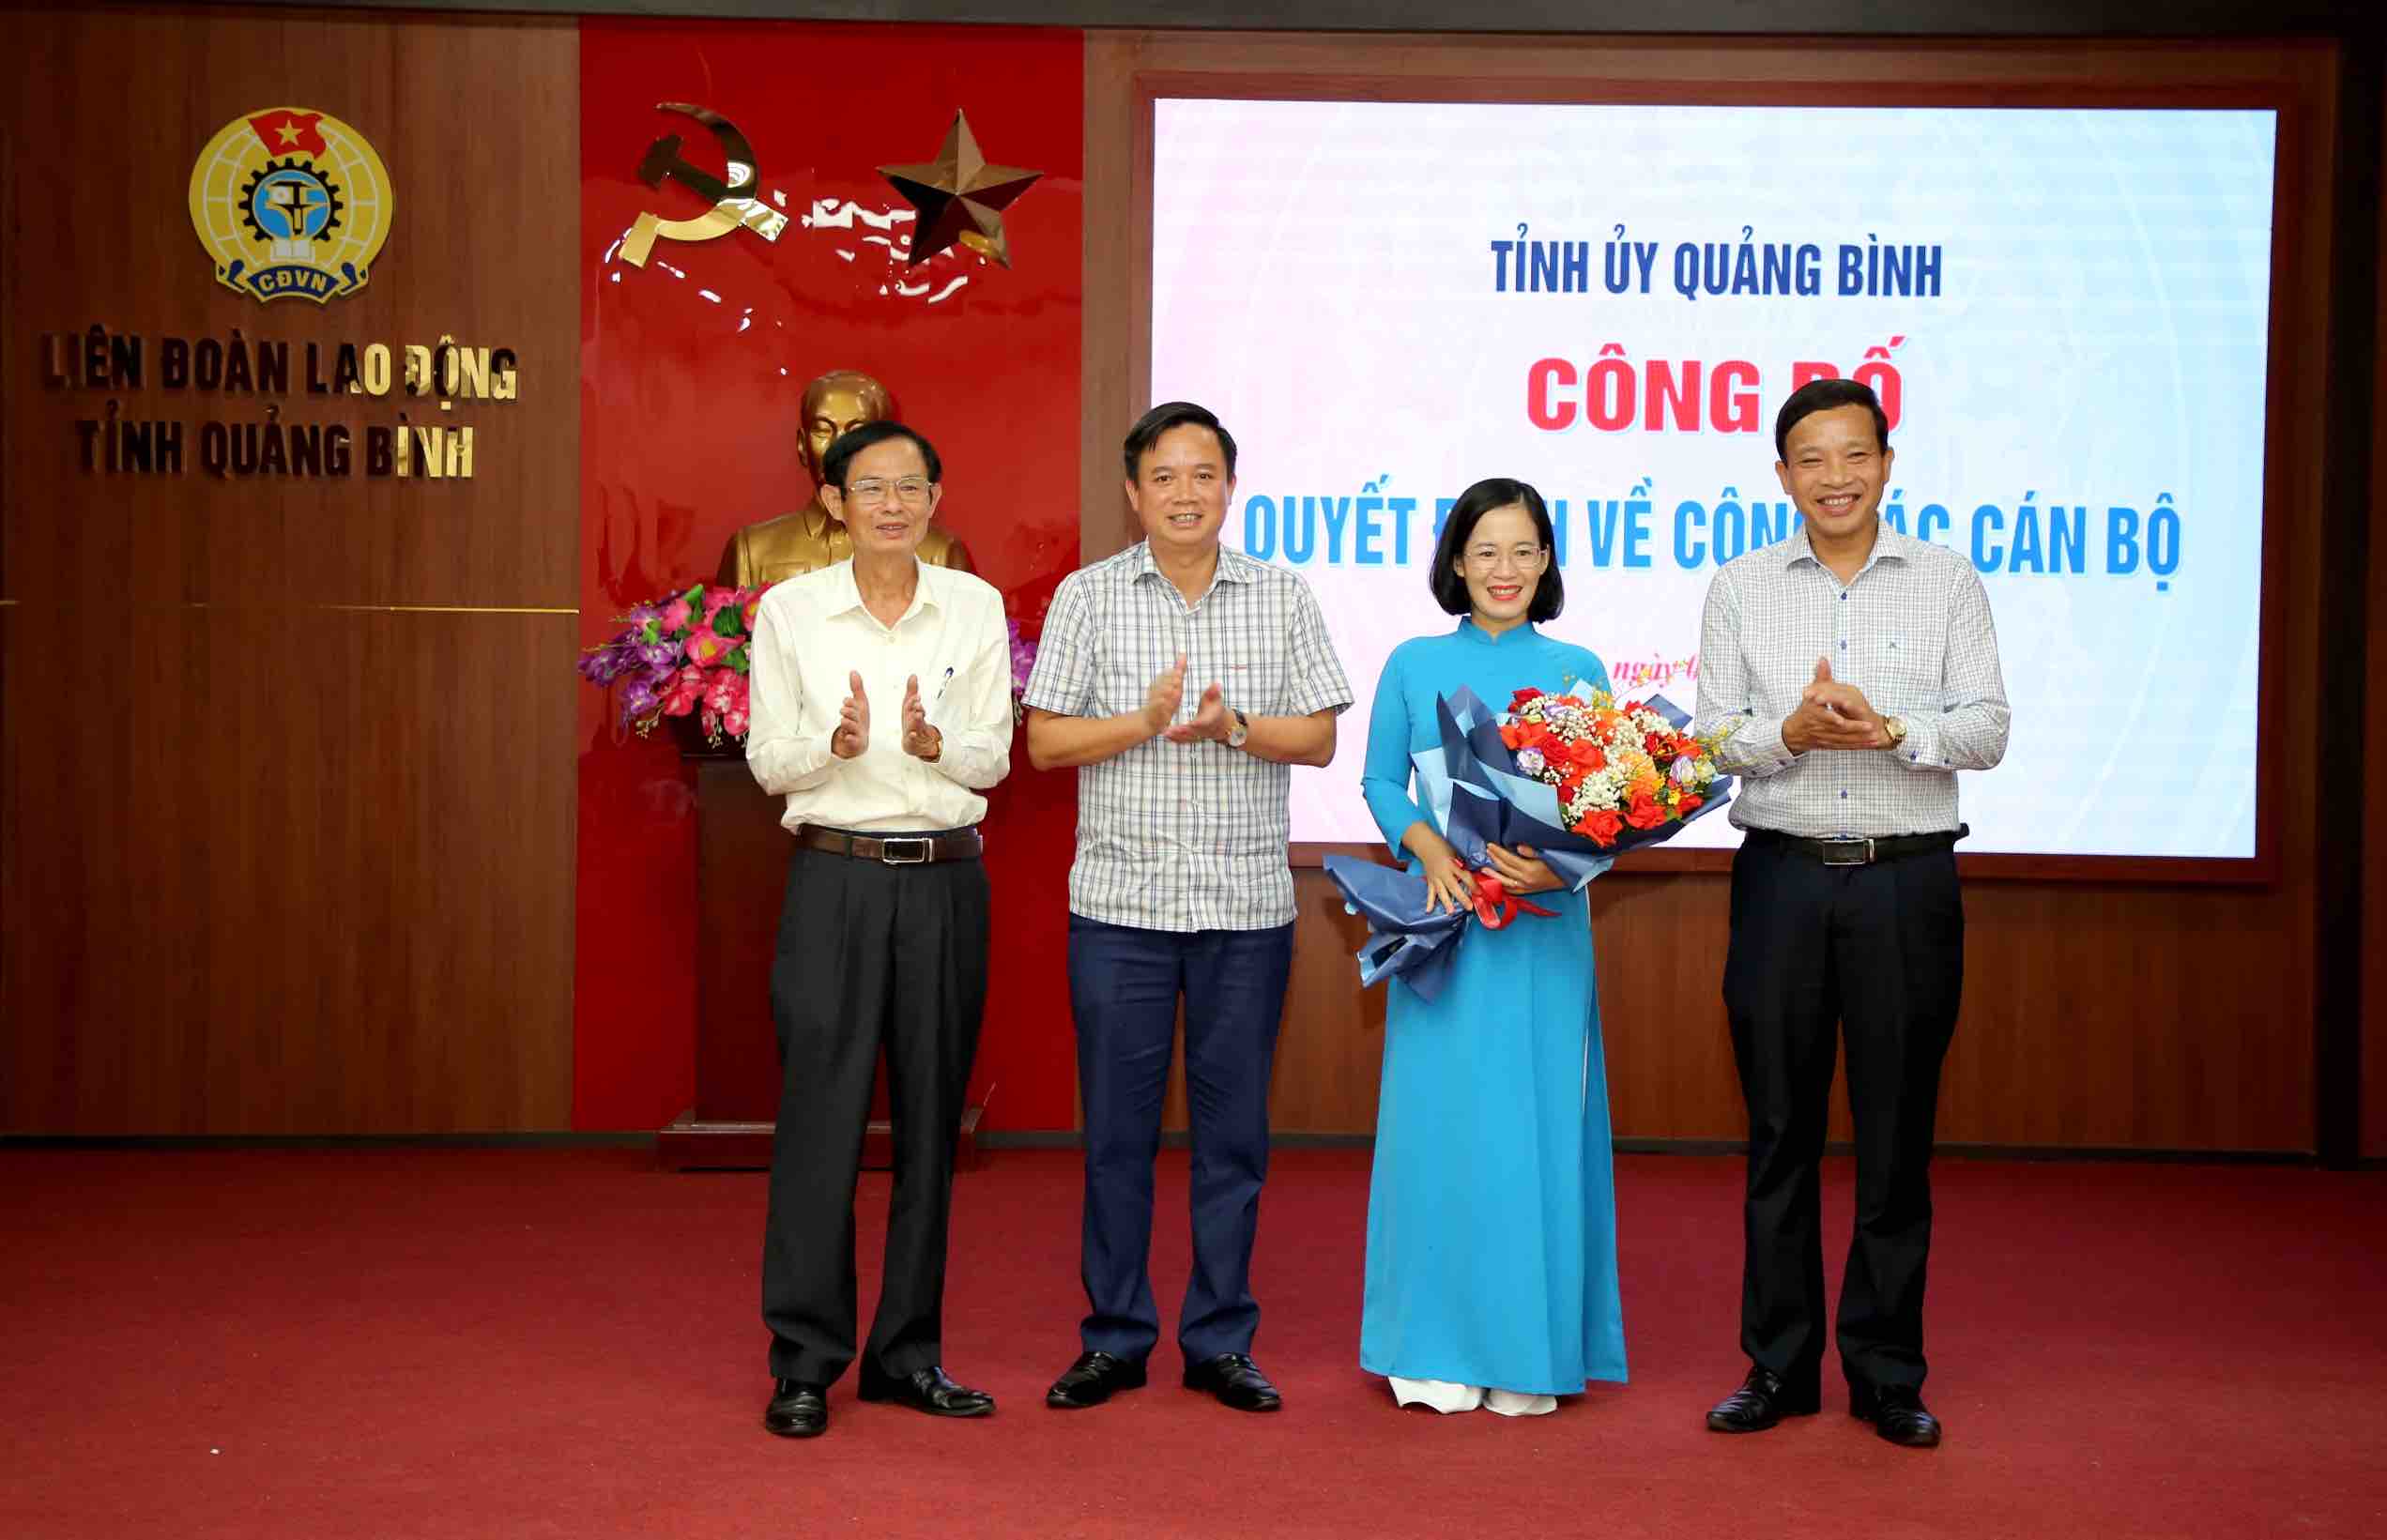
<point x="1024" y="657"/>
<point x="659" y="655"/>
<point x="602" y="665"/>
<point x="1530" y="762"/>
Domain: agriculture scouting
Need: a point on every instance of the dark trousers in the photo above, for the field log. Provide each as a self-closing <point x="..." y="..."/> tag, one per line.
<point x="1124" y="988"/>
<point x="869" y="955"/>
<point x="1877" y="952"/>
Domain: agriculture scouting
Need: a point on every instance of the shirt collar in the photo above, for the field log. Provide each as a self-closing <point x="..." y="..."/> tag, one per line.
<point x="1233" y="566"/>
<point x="847" y="596"/>
<point x="1889" y="545"/>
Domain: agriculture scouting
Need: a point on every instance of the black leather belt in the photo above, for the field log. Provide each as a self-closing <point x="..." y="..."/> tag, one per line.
<point x="894" y="849"/>
<point x="1864" y="852"/>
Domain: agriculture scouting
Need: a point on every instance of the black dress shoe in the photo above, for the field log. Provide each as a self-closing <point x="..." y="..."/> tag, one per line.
<point x="1094" y="1379"/>
<point x="925" y="1390"/>
<point x="1235" y="1381"/>
<point x="1896" y="1413"/>
<point x="1763" y="1400"/>
<point x="798" y="1409"/>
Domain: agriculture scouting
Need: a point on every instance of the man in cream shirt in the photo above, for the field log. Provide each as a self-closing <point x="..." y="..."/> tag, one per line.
<point x="881" y="707"/>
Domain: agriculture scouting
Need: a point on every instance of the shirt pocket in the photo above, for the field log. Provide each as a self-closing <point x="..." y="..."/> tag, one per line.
<point x="1121" y="681"/>
<point x="1903" y="671"/>
<point x="1258" y="686"/>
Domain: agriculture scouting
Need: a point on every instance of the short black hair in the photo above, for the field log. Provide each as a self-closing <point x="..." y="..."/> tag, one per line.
<point x="1450" y="590"/>
<point x="841" y="453"/>
<point x="1822" y="396"/>
<point x="1173" y="414"/>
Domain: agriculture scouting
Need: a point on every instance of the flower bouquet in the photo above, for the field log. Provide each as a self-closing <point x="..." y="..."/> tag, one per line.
<point x="683" y="654"/>
<point x="1573" y="774"/>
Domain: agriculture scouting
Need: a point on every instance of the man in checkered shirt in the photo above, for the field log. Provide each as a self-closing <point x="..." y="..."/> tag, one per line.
<point x="1856" y="669"/>
<point x="1185" y="679"/>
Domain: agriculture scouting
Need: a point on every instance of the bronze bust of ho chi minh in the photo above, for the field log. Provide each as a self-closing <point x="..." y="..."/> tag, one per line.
<point x="812" y="538"/>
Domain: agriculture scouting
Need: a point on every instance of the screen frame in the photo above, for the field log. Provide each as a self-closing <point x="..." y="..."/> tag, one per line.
<point x="1784" y="73"/>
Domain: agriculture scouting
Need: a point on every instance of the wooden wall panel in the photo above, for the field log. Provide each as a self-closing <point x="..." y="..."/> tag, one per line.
<point x="285" y="767"/>
<point x="2096" y="1014"/>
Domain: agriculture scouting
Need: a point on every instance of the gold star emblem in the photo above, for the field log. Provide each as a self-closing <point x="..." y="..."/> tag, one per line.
<point x="289" y="133"/>
<point x="961" y="197"/>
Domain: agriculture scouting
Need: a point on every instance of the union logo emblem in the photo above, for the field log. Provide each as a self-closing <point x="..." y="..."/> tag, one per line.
<point x="289" y="201"/>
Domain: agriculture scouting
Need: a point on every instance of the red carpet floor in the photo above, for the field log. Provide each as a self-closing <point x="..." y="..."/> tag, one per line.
<point x="519" y="1343"/>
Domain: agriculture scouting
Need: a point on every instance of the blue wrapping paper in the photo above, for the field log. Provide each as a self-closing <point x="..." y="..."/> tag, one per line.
<point x="1471" y="788"/>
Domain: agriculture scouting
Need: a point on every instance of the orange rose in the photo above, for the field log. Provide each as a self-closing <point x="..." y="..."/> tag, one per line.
<point x="1645" y="812"/>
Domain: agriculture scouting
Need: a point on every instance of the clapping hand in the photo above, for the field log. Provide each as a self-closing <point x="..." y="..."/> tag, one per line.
<point x="1209" y="718"/>
<point x="852" y="734"/>
<point x="1167" y="693"/>
<point x="920" y="740"/>
<point x="1832" y="715"/>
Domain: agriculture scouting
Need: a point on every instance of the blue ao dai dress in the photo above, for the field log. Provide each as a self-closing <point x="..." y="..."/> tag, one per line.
<point x="1491" y="1225"/>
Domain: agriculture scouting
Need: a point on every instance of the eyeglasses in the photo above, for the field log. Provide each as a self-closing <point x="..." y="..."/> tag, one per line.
<point x="1486" y="557"/>
<point x="912" y="488"/>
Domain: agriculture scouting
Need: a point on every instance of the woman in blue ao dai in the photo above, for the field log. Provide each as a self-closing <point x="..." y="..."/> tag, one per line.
<point x="1491" y="1231"/>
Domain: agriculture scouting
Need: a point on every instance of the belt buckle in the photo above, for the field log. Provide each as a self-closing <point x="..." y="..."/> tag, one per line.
<point x="924" y="849"/>
<point x="1847" y="852"/>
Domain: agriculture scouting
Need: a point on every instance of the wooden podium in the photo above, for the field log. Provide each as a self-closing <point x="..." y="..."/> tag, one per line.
<point x="741" y="872"/>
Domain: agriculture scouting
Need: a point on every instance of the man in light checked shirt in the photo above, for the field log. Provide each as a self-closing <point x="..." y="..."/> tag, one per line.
<point x="1180" y="889"/>
<point x="1856" y="669"/>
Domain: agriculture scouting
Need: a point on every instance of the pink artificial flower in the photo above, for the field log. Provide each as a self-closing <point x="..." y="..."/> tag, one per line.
<point x="675" y="617"/>
<point x="687" y="688"/>
<point x="716" y="598"/>
<point x="707" y="647"/>
<point x="733" y="720"/>
<point x="717" y="691"/>
<point x="749" y="607"/>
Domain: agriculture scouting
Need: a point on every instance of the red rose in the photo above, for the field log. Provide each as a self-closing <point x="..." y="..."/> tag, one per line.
<point x="1602" y="827"/>
<point x="1523" y="698"/>
<point x="1645" y="812"/>
<point x="1689" y="805"/>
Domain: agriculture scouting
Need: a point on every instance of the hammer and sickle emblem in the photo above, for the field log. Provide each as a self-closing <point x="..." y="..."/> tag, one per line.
<point x="734" y="201"/>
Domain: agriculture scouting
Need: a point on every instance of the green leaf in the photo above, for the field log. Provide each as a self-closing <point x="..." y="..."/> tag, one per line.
<point x="724" y="621"/>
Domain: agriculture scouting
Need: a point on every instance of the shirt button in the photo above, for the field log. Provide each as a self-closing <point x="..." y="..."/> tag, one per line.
<point x="1843" y="647"/>
<point x="1843" y="796"/>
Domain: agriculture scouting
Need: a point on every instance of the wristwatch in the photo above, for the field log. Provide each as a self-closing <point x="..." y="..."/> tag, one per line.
<point x="1240" y="730"/>
<point x="1896" y="728"/>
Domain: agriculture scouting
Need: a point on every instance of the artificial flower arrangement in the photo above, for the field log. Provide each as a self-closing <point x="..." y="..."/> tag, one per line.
<point x="685" y="653"/>
<point x="688" y="653"/>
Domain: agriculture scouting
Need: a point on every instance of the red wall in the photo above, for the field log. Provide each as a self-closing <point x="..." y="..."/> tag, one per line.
<point x="690" y="390"/>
